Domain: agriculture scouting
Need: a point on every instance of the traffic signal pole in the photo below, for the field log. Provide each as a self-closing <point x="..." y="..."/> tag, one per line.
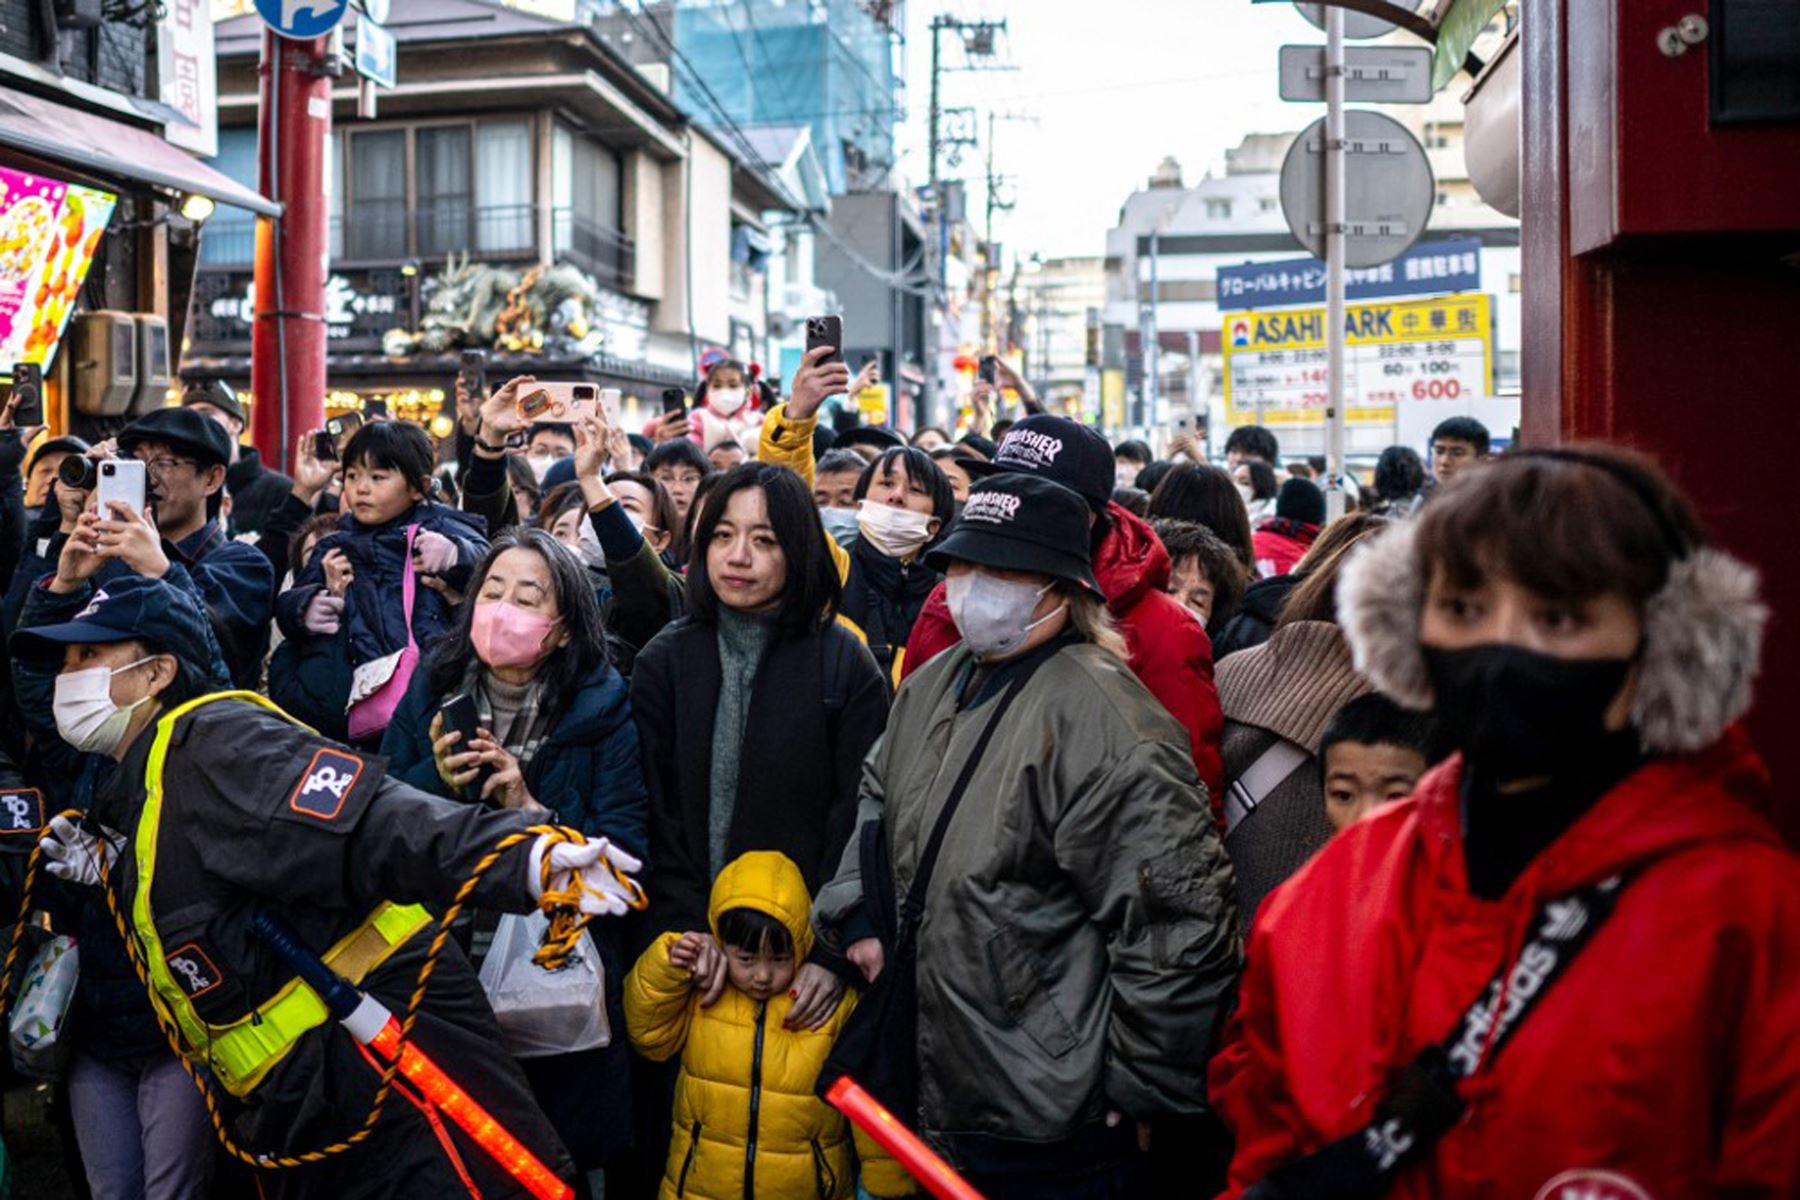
<point x="1335" y="219"/>
<point x="287" y="351"/>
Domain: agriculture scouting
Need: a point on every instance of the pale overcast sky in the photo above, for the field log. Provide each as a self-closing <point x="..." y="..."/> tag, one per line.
<point x="1114" y="85"/>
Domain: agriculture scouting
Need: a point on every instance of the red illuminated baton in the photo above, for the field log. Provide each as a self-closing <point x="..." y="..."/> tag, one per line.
<point x="368" y="1021"/>
<point x="939" y="1178"/>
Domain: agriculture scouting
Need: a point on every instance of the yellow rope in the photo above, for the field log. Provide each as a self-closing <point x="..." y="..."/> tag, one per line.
<point x="566" y="925"/>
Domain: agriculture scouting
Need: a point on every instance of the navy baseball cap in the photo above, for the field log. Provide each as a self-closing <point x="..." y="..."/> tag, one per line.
<point x="125" y="608"/>
<point x="1059" y="449"/>
<point x="1021" y="522"/>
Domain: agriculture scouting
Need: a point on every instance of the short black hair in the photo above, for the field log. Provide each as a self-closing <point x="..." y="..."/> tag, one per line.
<point x="1316" y="462"/>
<point x="678" y="453"/>
<point x="1135" y="450"/>
<point x="1301" y="500"/>
<point x="1263" y="484"/>
<point x="1254" y="440"/>
<point x="1399" y="474"/>
<point x="1151" y="477"/>
<point x="1463" y="429"/>
<point x="810" y="600"/>
<point x="1135" y="501"/>
<point x="1000" y="430"/>
<point x="753" y="932"/>
<point x="838" y="462"/>
<point x="559" y="428"/>
<point x="640" y="443"/>
<point x="393" y="446"/>
<point x="920" y="470"/>
<point x="1374" y="720"/>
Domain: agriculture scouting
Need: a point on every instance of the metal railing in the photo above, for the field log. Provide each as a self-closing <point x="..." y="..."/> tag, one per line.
<point x="606" y="254"/>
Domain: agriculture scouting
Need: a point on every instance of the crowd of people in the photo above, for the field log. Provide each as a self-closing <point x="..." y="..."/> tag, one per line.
<point x="1126" y="825"/>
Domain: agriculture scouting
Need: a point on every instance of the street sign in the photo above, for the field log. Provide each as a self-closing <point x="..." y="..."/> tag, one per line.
<point x="1437" y="352"/>
<point x="1372" y="74"/>
<point x="1356" y="24"/>
<point x="1449" y="265"/>
<point x="375" y="52"/>
<point x="302" y="18"/>
<point x="1389" y="190"/>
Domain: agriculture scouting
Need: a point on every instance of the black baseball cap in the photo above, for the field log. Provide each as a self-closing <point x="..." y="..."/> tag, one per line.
<point x="121" y="609"/>
<point x="1022" y="522"/>
<point x="878" y="436"/>
<point x="1301" y="500"/>
<point x="217" y="393"/>
<point x="182" y="429"/>
<point x="57" y="445"/>
<point x="1060" y="449"/>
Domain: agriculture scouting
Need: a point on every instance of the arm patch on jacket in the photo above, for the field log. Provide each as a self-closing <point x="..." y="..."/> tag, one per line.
<point x="192" y="970"/>
<point x="21" y="812"/>
<point x="322" y="791"/>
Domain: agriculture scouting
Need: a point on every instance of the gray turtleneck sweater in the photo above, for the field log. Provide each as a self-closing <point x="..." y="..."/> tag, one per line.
<point x="742" y="640"/>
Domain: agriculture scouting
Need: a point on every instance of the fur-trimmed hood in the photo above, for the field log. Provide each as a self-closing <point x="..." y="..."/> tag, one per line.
<point x="1702" y="638"/>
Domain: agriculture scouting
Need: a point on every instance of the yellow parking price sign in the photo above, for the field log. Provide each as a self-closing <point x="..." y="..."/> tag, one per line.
<point x="1275" y="368"/>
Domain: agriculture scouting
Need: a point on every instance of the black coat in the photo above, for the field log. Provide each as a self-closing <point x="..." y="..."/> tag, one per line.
<point x="883" y="597"/>
<point x="257" y="493"/>
<point x="818" y="705"/>
<point x="1256" y="616"/>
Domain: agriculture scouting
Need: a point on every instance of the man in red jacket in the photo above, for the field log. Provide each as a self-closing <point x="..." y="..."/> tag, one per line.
<point x="1565" y="968"/>
<point x="1170" y="652"/>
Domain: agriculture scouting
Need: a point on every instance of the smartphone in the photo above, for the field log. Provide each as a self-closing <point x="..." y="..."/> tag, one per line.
<point x="461" y="715"/>
<point x="610" y="400"/>
<point x="674" y="401"/>
<point x="826" y="331"/>
<point x="989" y="370"/>
<point x="474" y="373"/>
<point x="558" y="401"/>
<point x="28" y="386"/>
<point x="121" y="480"/>
<point x="375" y="408"/>
<point x="325" y="447"/>
<point x="344" y="428"/>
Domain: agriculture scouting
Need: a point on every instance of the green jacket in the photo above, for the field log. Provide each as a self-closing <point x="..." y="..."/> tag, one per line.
<point x="1079" y="943"/>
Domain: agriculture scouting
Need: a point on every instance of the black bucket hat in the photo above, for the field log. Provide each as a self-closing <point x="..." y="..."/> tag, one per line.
<point x="1021" y="522"/>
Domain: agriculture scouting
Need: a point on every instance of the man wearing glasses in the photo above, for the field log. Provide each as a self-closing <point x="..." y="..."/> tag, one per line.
<point x="185" y="457"/>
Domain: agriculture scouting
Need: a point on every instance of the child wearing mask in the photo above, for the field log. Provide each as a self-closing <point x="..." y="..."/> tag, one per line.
<point x="387" y="520"/>
<point x="1371" y="753"/>
<point x="746" y="1119"/>
<point x="725" y="404"/>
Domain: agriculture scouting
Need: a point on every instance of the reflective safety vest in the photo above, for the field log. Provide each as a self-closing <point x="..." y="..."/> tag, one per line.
<point x="243" y="1052"/>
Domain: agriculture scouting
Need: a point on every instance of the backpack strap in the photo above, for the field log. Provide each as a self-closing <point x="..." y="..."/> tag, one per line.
<point x="1270" y="770"/>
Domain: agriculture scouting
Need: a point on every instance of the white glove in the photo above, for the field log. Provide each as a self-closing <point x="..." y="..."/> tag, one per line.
<point x="74" y="854"/>
<point x="607" y="889"/>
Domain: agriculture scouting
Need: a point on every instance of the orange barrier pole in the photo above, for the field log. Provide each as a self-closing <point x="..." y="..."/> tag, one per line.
<point x="939" y="1178"/>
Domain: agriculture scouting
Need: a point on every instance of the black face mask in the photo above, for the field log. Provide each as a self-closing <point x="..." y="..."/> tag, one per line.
<point x="1517" y="714"/>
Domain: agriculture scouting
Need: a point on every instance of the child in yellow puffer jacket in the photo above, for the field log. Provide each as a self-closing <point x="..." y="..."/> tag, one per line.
<point x="747" y="1122"/>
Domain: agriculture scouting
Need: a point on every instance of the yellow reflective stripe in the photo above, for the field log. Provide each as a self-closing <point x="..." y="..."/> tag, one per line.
<point x="243" y="1052"/>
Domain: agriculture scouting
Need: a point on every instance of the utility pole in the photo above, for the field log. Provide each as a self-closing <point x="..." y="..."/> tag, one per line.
<point x="287" y="356"/>
<point x="1335" y="220"/>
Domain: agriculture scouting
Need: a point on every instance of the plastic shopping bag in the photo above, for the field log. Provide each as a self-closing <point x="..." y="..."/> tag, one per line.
<point x="35" y="1027"/>
<point x="544" y="1012"/>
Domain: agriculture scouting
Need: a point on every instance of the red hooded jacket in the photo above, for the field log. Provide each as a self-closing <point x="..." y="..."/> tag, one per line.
<point x="1280" y="544"/>
<point x="1170" y="652"/>
<point x="1664" y="1063"/>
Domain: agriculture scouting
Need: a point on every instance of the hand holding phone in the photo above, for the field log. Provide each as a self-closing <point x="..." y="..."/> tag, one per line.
<point x="989" y="371"/>
<point x="826" y="331"/>
<point x="674" y="401"/>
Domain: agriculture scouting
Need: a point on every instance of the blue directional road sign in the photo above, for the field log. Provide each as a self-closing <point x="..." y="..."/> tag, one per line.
<point x="375" y="53"/>
<point x="302" y="18"/>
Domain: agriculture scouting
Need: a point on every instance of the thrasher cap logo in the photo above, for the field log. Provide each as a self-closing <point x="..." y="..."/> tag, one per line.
<point x="322" y="791"/>
<point x="1029" y="449"/>
<point x="992" y="508"/>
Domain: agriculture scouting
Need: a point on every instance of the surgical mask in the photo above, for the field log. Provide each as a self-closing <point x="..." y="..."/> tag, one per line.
<point x="587" y="544"/>
<point x="540" y="465"/>
<point x="1518" y="714"/>
<point x="896" y="532"/>
<point x="994" y="614"/>
<point x="725" y="401"/>
<point x="1247" y="493"/>
<point x="86" y="716"/>
<point x="506" y="635"/>
<point x="840" y="524"/>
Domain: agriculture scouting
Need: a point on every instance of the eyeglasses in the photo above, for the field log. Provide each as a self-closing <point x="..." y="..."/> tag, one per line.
<point x="163" y="464"/>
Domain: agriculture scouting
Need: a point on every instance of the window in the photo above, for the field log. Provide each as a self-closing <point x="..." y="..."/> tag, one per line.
<point x="503" y="182"/>
<point x="587" y="213"/>
<point x="230" y="239"/>
<point x="445" y="189"/>
<point x="334" y="148"/>
<point x="376" y="225"/>
<point x="1267" y="204"/>
<point x="1218" y="210"/>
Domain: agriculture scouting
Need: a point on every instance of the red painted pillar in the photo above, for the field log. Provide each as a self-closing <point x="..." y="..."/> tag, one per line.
<point x="287" y="355"/>
<point x="1657" y="304"/>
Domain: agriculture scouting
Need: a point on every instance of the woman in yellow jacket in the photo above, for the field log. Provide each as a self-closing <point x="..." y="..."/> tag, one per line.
<point x="747" y="1122"/>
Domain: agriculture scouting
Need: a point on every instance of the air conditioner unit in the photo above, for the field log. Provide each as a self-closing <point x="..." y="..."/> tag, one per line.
<point x="152" y="364"/>
<point x="103" y="371"/>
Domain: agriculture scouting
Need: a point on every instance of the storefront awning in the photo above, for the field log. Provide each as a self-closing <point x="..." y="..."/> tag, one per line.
<point x="112" y="148"/>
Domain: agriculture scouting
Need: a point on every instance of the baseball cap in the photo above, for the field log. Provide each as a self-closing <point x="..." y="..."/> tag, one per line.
<point x="1021" y="522"/>
<point x="1059" y="449"/>
<point x="56" y="445"/>
<point x="182" y="429"/>
<point x="217" y="393"/>
<point x="124" y="608"/>
<point x="878" y="436"/>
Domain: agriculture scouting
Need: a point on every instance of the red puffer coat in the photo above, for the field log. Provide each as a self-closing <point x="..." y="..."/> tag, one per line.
<point x="1664" y="1063"/>
<point x="1170" y="652"/>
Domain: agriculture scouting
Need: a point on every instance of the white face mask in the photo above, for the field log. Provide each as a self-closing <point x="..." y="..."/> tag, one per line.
<point x="994" y="614"/>
<point x="725" y="401"/>
<point x="896" y="532"/>
<point x="540" y="465"/>
<point x="86" y="716"/>
<point x="1248" y="493"/>
<point x="841" y="524"/>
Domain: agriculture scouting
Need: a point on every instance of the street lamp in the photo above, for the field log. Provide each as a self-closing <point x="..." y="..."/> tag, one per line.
<point x="196" y="208"/>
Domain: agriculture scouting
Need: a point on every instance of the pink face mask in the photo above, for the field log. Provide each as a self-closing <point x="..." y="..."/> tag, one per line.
<point x="506" y="635"/>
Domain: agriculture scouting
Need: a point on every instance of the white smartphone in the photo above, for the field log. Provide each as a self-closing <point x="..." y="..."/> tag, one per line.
<point x="551" y="401"/>
<point x="121" y="480"/>
<point x="610" y="399"/>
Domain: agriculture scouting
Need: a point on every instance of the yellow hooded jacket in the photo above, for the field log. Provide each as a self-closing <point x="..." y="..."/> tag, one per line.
<point x="747" y="1122"/>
